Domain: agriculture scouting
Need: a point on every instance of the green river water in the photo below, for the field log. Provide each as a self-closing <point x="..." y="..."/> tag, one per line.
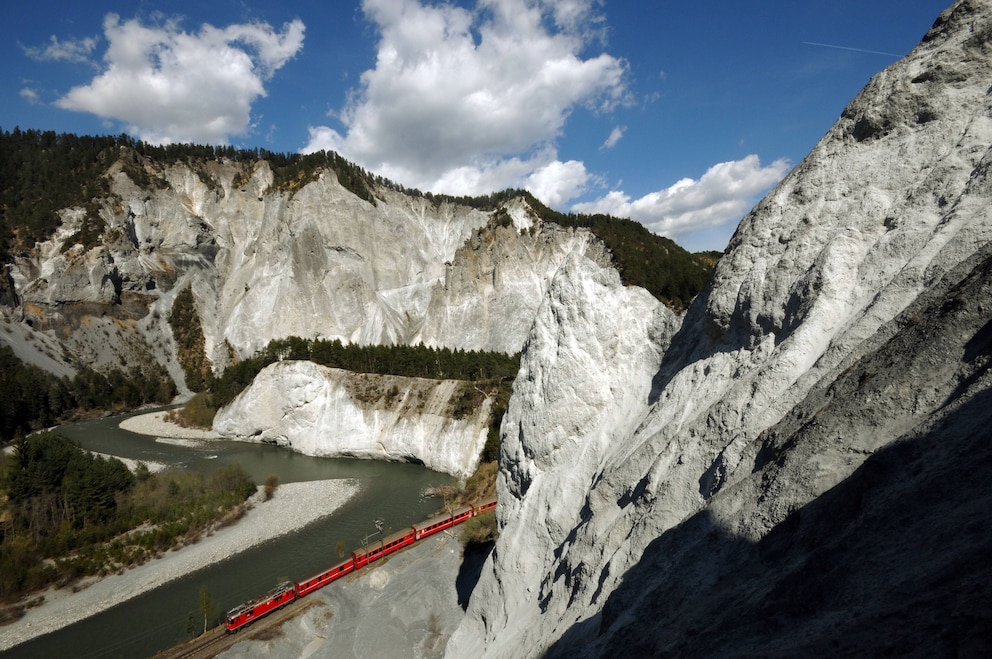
<point x="157" y="620"/>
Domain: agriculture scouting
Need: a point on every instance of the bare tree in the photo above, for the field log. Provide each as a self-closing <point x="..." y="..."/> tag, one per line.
<point x="206" y="606"/>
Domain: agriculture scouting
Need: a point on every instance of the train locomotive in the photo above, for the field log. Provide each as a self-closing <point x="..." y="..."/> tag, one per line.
<point x="286" y="592"/>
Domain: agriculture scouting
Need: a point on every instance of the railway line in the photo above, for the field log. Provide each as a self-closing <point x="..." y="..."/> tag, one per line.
<point x="217" y="640"/>
<point x="287" y="599"/>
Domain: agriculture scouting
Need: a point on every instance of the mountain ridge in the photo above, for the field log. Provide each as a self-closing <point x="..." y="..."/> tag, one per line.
<point x="797" y="464"/>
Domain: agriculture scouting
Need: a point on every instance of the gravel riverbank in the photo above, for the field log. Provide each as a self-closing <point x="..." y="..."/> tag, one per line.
<point x="154" y="423"/>
<point x="294" y="505"/>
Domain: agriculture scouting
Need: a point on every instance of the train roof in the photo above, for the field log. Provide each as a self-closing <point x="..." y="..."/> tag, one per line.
<point x="486" y="502"/>
<point x="396" y="536"/>
<point x="441" y="517"/>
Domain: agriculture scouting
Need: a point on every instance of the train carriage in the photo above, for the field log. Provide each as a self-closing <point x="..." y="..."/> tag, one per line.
<point x="486" y="505"/>
<point x="327" y="576"/>
<point x="385" y="546"/>
<point x="438" y="524"/>
<point x="462" y="514"/>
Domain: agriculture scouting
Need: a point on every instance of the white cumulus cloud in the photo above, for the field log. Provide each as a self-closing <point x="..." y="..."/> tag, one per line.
<point x="169" y="85"/>
<point x="467" y="102"/>
<point x="557" y="182"/>
<point x="723" y="194"/>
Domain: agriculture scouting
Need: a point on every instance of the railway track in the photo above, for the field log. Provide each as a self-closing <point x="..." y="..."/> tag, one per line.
<point x="217" y="640"/>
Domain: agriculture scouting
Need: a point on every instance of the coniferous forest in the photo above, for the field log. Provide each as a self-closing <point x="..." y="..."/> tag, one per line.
<point x="32" y="398"/>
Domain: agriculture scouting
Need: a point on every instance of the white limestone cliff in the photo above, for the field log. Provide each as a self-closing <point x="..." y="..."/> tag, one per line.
<point x="797" y="466"/>
<point x="264" y="264"/>
<point x="328" y="412"/>
<point x="890" y="213"/>
<point x="490" y="292"/>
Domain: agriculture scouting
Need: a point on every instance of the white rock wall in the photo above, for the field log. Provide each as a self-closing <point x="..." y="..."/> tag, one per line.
<point x="894" y="197"/>
<point x="328" y="412"/>
<point x="316" y="263"/>
<point x="586" y="376"/>
<point x="490" y="293"/>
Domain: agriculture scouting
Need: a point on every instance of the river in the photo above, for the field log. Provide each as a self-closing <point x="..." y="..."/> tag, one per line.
<point x="158" y="619"/>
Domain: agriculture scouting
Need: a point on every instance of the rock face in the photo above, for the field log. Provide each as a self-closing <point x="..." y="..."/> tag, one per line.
<point x="265" y="264"/>
<point x="329" y="412"/>
<point x="490" y="294"/>
<point x="799" y="465"/>
<point x="778" y="473"/>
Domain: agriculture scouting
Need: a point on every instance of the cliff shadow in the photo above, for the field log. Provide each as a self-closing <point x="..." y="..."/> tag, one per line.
<point x="697" y="339"/>
<point x="891" y="561"/>
<point x="473" y="559"/>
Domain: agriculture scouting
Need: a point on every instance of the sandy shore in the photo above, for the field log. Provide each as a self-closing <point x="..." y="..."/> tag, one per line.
<point x="154" y="423"/>
<point x="294" y="505"/>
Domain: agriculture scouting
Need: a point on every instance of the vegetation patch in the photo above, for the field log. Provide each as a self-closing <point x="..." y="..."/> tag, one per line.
<point x="480" y="529"/>
<point x="90" y="231"/>
<point x="188" y="332"/>
<point x="67" y="515"/>
<point x="196" y="413"/>
<point x="468" y="400"/>
<point x="378" y="392"/>
<point x="41" y="173"/>
<point x="271" y="485"/>
<point x="482" y="484"/>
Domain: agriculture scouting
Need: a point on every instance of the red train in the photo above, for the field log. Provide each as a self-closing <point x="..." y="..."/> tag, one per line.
<point x="286" y="592"/>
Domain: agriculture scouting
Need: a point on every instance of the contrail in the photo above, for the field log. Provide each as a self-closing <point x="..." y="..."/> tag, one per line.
<point x="857" y="50"/>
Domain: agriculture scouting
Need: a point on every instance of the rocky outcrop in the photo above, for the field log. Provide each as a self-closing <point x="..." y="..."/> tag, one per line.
<point x="324" y="263"/>
<point x="328" y="412"/>
<point x="492" y="288"/>
<point x="842" y="340"/>
<point x="267" y="261"/>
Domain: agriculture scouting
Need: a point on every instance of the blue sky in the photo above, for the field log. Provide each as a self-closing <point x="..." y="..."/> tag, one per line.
<point x="679" y="115"/>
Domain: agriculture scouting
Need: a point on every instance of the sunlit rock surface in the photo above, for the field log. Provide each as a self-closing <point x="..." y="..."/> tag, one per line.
<point x="784" y="475"/>
<point x="329" y="412"/>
